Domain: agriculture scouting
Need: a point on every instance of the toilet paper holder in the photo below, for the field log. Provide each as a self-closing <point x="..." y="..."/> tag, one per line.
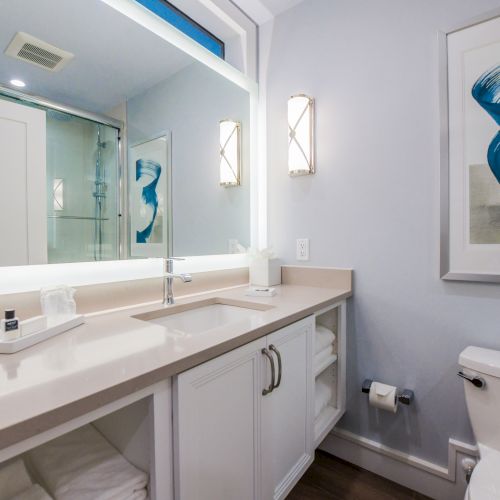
<point x="404" y="397"/>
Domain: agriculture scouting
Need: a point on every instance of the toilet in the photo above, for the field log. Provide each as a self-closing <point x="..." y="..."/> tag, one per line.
<point x="481" y="374"/>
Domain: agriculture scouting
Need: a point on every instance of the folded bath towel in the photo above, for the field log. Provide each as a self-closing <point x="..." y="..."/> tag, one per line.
<point x="36" y="492"/>
<point x="323" y="396"/>
<point x="83" y="465"/>
<point x="14" y="479"/>
<point x="323" y="338"/>
<point x="322" y="356"/>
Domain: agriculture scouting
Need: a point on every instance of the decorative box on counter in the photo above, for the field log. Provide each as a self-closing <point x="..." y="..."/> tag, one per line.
<point x="265" y="269"/>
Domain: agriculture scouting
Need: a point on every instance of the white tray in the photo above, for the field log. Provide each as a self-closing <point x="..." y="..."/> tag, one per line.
<point x="12" y="346"/>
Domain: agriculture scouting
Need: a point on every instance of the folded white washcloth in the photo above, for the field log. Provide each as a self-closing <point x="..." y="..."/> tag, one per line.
<point x="323" y="356"/>
<point x="14" y="479"/>
<point x="323" y="396"/>
<point x="83" y="465"/>
<point x="36" y="492"/>
<point x="323" y="338"/>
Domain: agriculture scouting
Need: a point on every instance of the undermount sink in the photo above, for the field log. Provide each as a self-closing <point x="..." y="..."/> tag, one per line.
<point x="199" y="317"/>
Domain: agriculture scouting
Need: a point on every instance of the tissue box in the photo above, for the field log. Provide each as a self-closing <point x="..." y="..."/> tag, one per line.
<point x="265" y="272"/>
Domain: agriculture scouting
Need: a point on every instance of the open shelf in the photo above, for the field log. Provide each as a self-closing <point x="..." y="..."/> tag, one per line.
<point x="118" y="436"/>
<point x="321" y="367"/>
<point x="329" y="372"/>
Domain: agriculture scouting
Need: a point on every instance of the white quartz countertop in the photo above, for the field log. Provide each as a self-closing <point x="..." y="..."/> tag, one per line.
<point x="114" y="349"/>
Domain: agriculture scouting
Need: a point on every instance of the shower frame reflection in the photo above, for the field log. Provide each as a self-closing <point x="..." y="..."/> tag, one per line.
<point x="100" y="120"/>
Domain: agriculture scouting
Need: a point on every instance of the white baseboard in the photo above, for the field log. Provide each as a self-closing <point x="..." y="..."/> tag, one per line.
<point x="428" y="478"/>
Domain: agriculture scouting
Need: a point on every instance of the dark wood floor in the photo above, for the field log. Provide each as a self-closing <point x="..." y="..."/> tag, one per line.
<point x="332" y="478"/>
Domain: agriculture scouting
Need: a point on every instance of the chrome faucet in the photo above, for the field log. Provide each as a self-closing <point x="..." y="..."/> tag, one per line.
<point x="168" y="280"/>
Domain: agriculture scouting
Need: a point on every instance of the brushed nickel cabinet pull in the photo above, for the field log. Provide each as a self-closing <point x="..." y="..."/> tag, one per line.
<point x="270" y="389"/>
<point x="278" y="355"/>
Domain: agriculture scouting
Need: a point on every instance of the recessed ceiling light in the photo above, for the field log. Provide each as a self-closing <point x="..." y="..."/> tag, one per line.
<point x="17" y="83"/>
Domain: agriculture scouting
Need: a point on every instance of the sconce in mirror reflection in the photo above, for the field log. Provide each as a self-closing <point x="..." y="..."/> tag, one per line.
<point x="58" y="192"/>
<point x="300" y="135"/>
<point x="230" y="153"/>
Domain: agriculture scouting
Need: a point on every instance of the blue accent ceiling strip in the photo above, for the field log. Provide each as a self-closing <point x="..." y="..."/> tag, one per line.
<point x="183" y="23"/>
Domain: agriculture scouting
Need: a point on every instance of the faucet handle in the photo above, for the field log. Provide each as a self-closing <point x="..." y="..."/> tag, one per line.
<point x="169" y="262"/>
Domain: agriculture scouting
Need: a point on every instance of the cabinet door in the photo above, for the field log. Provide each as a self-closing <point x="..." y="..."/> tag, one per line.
<point x="217" y="427"/>
<point x="287" y="416"/>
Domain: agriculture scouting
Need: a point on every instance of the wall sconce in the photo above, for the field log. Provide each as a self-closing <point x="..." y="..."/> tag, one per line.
<point x="300" y="135"/>
<point x="230" y="153"/>
<point x="58" y="194"/>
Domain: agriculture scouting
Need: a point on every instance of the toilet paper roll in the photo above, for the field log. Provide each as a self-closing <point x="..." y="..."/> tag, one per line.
<point x="383" y="396"/>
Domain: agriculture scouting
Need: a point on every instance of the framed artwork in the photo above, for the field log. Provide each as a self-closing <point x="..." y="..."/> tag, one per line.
<point x="149" y="205"/>
<point x="470" y="151"/>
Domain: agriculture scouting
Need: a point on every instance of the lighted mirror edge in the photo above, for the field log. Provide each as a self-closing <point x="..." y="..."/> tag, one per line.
<point x="19" y="279"/>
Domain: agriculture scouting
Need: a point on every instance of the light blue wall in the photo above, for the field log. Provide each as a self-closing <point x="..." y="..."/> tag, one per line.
<point x="373" y="204"/>
<point x="190" y="105"/>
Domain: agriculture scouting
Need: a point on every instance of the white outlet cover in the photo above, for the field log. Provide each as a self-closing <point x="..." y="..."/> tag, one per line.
<point x="302" y="249"/>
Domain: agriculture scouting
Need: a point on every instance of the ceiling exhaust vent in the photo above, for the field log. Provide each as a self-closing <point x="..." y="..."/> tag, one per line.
<point x="32" y="50"/>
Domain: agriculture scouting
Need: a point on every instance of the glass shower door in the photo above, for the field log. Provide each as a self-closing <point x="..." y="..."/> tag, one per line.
<point x="82" y="189"/>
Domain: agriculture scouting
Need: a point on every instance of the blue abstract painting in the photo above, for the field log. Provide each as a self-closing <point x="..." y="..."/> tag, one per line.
<point x="150" y="170"/>
<point x="486" y="91"/>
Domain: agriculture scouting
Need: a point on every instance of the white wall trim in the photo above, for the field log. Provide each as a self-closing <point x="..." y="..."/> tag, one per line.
<point x="421" y="475"/>
<point x="246" y="29"/>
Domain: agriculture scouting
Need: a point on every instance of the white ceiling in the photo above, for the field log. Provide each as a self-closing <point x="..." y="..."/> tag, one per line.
<point x="115" y="58"/>
<point x="262" y="11"/>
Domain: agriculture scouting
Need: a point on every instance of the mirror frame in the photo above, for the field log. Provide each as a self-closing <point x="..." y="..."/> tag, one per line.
<point x="19" y="279"/>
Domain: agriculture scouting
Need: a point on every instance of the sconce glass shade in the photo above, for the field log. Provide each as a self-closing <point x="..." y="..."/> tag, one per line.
<point x="58" y="194"/>
<point x="230" y="153"/>
<point x="300" y="135"/>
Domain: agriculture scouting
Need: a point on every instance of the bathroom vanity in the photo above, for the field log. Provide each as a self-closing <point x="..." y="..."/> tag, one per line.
<point x="222" y="395"/>
<point x="220" y="411"/>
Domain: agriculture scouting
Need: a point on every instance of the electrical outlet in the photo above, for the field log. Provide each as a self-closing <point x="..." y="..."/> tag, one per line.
<point x="302" y="249"/>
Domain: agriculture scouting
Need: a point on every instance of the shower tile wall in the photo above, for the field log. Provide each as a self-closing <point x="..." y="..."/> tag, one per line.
<point x="72" y="156"/>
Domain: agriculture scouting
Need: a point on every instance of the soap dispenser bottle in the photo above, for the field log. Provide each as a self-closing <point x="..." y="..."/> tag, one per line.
<point x="9" y="327"/>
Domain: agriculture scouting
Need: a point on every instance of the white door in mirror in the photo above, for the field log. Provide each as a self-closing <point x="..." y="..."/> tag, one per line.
<point x="23" y="213"/>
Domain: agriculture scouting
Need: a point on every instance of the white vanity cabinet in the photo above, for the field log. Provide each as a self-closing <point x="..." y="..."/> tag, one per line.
<point x="237" y="437"/>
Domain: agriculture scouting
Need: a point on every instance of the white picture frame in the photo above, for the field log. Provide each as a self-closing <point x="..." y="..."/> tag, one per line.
<point x="150" y="207"/>
<point x="470" y="240"/>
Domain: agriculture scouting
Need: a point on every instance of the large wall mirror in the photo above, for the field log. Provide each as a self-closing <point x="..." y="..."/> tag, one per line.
<point x="119" y="145"/>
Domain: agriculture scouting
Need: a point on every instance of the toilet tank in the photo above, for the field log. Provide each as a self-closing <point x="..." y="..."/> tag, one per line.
<point x="483" y="404"/>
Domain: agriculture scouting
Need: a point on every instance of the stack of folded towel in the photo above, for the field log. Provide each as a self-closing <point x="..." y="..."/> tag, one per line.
<point x="83" y="465"/>
<point x="16" y="484"/>
<point x="323" y="344"/>
<point x="323" y="394"/>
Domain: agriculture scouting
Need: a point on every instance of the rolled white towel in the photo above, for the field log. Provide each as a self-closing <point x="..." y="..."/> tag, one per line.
<point x="36" y="492"/>
<point x="83" y="465"/>
<point x="323" y="355"/>
<point x="323" y="338"/>
<point x="14" y="479"/>
<point x="323" y="396"/>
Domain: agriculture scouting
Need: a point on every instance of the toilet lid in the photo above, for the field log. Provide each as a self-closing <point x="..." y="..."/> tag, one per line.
<point x="485" y="480"/>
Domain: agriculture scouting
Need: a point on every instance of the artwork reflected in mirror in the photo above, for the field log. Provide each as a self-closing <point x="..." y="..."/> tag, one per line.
<point x="148" y="196"/>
